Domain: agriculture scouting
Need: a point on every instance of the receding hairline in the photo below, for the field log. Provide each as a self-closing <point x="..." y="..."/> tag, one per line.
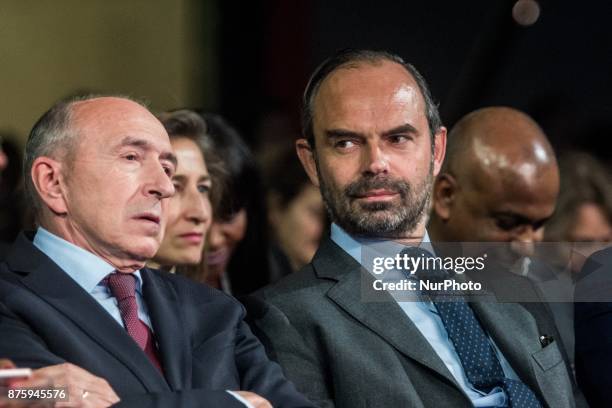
<point x="357" y="64"/>
<point x="373" y="62"/>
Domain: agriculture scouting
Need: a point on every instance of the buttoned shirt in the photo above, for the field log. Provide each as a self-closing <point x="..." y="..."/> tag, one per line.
<point x="425" y="317"/>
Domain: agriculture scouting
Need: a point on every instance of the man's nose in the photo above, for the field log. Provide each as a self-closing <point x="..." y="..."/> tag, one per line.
<point x="159" y="183"/>
<point x="376" y="161"/>
<point x="523" y="243"/>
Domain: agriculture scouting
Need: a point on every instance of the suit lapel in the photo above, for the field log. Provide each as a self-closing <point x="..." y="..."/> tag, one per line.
<point x="168" y="325"/>
<point x="521" y="347"/>
<point x="43" y="277"/>
<point x="384" y="316"/>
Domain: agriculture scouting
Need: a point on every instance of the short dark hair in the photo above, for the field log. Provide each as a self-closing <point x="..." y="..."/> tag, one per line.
<point x="349" y="57"/>
<point x="248" y="268"/>
<point x="285" y="177"/>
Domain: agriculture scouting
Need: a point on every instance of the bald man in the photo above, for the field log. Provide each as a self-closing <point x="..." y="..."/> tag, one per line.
<point x="499" y="183"/>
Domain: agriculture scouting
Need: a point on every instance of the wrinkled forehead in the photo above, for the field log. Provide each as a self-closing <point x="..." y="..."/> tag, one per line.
<point x="110" y="120"/>
<point x="368" y="89"/>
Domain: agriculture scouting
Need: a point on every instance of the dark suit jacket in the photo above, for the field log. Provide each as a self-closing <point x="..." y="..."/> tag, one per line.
<point x="346" y="352"/>
<point x="593" y="327"/>
<point x="205" y="346"/>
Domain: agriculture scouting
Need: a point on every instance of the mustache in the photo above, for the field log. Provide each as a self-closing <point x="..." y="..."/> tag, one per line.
<point x="363" y="185"/>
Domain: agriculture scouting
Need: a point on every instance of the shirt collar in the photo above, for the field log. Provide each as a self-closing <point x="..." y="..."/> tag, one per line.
<point x="85" y="268"/>
<point x="352" y="245"/>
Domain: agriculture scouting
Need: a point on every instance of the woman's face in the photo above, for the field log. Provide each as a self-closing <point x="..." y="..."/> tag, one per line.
<point x="590" y="225"/>
<point x="223" y="238"/>
<point x="189" y="211"/>
<point x="590" y="232"/>
<point x="299" y="225"/>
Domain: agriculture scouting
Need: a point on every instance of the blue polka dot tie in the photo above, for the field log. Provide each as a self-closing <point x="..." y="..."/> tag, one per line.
<point x="476" y="353"/>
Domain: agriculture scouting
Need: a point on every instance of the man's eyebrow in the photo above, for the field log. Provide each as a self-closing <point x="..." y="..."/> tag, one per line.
<point x="510" y="214"/>
<point x="521" y="219"/>
<point x="338" y="133"/>
<point x="134" y="141"/>
<point x="170" y="157"/>
<point x="146" y="145"/>
<point x="405" y="128"/>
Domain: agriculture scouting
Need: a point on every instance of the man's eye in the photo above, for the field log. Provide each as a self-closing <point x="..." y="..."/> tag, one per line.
<point x="203" y="188"/>
<point x="506" y="224"/>
<point x="344" y="144"/>
<point x="131" y="157"/>
<point x="169" y="171"/>
<point x="398" y="138"/>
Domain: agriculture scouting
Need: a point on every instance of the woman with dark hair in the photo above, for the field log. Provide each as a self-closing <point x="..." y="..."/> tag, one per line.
<point x="236" y="258"/>
<point x="296" y="214"/>
<point x="190" y="208"/>
<point x="583" y="218"/>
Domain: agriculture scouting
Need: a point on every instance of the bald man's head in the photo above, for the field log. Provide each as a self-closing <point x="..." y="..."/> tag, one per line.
<point x="499" y="182"/>
<point x="498" y="142"/>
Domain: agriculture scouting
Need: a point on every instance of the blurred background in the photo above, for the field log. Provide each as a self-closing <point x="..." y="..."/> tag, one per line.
<point x="249" y="61"/>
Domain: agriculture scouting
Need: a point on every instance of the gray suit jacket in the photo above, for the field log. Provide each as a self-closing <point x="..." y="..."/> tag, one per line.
<point x="342" y="351"/>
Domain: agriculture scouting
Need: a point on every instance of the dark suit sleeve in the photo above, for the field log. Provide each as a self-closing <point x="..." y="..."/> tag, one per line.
<point x="257" y="372"/>
<point x="263" y="376"/>
<point x="26" y="349"/>
<point x="285" y="345"/>
<point x="19" y="344"/>
<point x="593" y="328"/>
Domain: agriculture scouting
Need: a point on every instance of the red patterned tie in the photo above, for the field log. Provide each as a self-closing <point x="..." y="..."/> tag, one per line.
<point x="123" y="288"/>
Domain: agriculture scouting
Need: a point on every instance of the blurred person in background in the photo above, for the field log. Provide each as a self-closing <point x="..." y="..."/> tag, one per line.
<point x="190" y="209"/>
<point x="581" y="226"/>
<point x="11" y="194"/>
<point x="296" y="214"/>
<point x="583" y="220"/>
<point x="237" y="247"/>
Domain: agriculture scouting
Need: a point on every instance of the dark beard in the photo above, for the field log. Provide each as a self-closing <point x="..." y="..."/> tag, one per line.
<point x="378" y="219"/>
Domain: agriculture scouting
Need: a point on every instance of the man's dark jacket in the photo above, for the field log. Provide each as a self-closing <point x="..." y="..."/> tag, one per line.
<point x="205" y="347"/>
<point x="342" y="349"/>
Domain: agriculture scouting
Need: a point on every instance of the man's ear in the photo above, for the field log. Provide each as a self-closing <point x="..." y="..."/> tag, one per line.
<point x="439" y="150"/>
<point x="46" y="176"/>
<point x="307" y="156"/>
<point x="445" y="194"/>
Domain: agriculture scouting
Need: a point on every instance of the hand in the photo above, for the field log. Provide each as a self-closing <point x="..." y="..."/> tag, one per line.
<point x="83" y="388"/>
<point x="4" y="363"/>
<point x="5" y="403"/>
<point x="255" y="400"/>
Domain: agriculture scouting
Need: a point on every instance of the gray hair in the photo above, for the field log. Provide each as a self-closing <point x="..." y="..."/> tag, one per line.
<point x="53" y="136"/>
<point x="351" y="57"/>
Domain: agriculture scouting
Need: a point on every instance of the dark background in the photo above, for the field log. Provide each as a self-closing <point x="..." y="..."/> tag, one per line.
<point x="472" y="53"/>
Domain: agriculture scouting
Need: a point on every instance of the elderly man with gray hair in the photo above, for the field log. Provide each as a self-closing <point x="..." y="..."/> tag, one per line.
<point x="76" y="301"/>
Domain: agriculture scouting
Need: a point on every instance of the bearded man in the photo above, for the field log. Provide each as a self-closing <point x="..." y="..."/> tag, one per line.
<point x="373" y="143"/>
